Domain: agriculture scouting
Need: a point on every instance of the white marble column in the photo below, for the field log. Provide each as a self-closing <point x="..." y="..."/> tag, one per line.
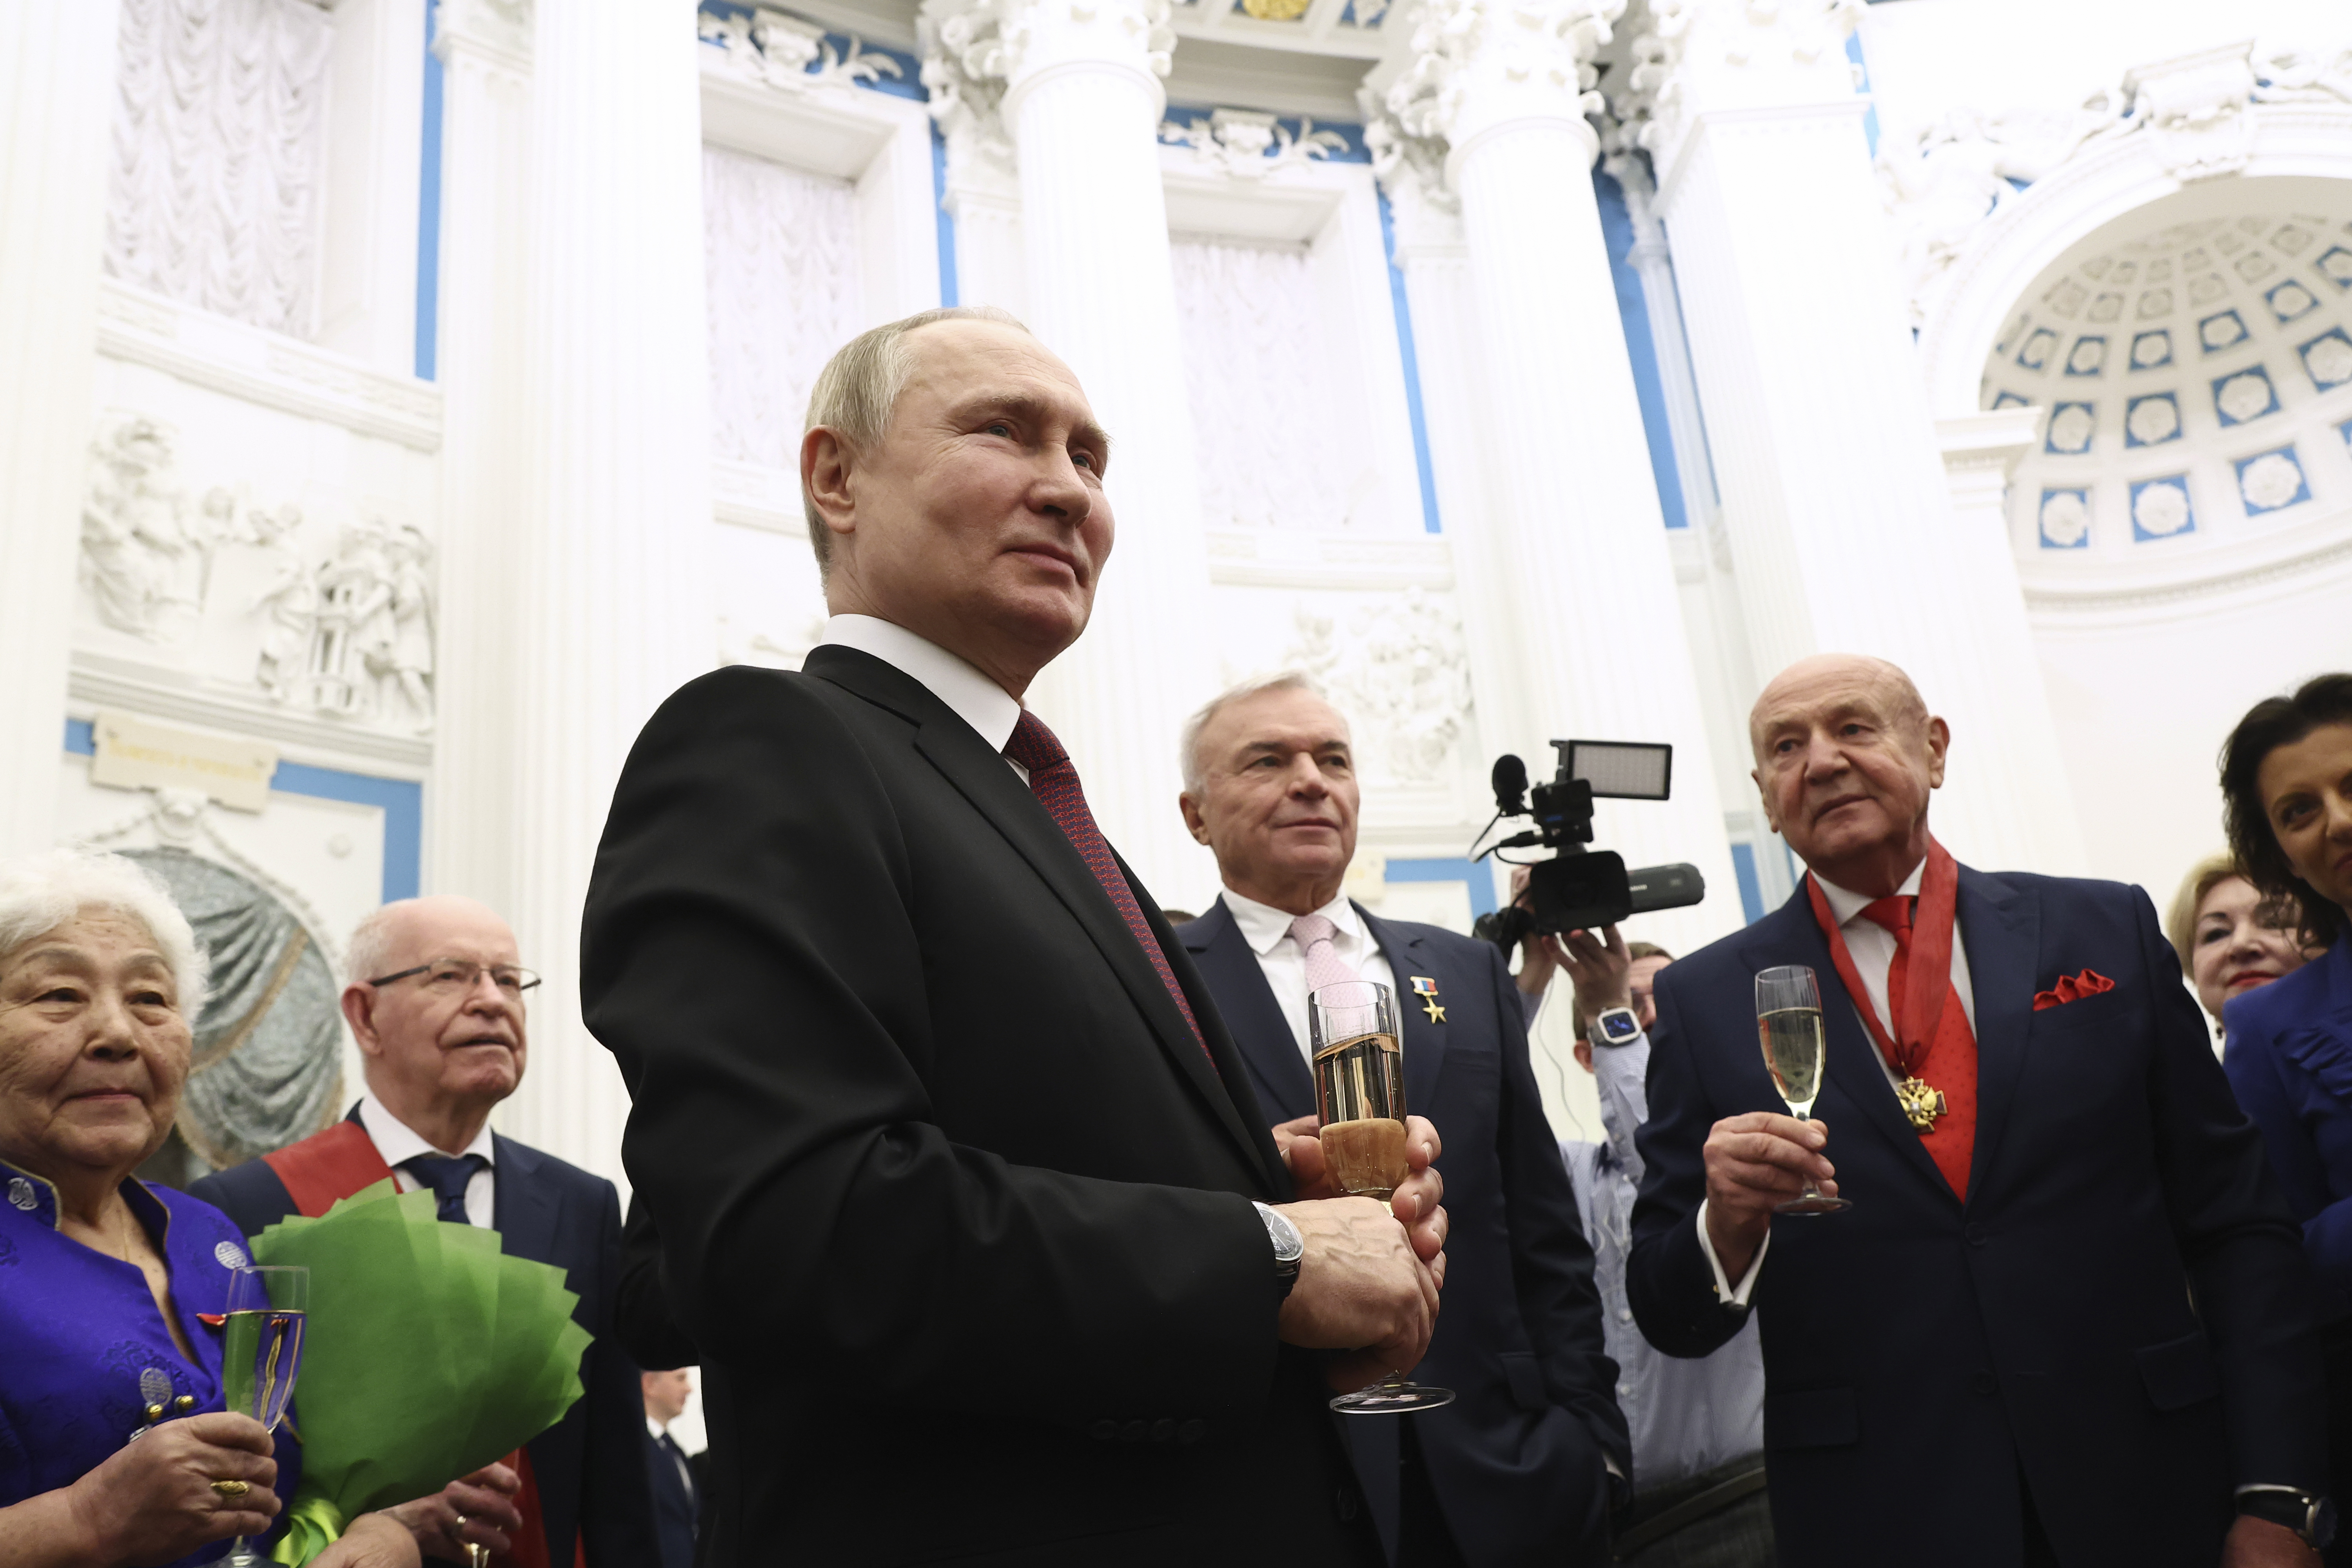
<point x="472" y="808"/>
<point x="612" y="547"/>
<point x="57" y="103"/>
<point x="1832" y="482"/>
<point x="1081" y="104"/>
<point x="1571" y="557"/>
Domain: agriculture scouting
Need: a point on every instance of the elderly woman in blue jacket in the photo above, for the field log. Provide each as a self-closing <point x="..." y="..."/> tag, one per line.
<point x="115" y="1445"/>
<point x="2286" y="778"/>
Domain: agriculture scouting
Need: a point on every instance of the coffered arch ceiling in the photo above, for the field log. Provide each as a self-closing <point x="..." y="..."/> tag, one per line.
<point x="2195" y="358"/>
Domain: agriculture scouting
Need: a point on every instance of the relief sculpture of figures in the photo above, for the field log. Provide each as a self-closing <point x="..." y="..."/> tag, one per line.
<point x="142" y="560"/>
<point x="290" y="600"/>
<point x="408" y="668"/>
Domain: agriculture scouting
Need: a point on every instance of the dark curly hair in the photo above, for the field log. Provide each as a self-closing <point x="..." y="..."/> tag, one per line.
<point x="2272" y="722"/>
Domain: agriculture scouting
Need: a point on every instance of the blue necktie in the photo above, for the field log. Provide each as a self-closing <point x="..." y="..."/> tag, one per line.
<point x="447" y="1175"/>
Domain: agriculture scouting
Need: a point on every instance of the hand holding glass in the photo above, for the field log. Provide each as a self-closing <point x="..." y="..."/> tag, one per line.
<point x="261" y="1352"/>
<point x="1788" y="1023"/>
<point x="1360" y="1103"/>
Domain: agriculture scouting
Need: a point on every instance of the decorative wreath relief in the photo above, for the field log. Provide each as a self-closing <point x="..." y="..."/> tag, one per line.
<point x="2330" y="360"/>
<point x="2066" y="520"/>
<point x="2070" y="430"/>
<point x="2153" y="420"/>
<point x="2161" y="509"/>
<point x="2245" y="397"/>
<point x="2270" y="482"/>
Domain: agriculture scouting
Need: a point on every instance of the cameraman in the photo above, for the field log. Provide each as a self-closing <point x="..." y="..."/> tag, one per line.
<point x="1698" y="1425"/>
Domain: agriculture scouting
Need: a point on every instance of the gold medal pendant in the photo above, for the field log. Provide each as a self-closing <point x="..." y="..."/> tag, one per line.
<point x="1920" y="1102"/>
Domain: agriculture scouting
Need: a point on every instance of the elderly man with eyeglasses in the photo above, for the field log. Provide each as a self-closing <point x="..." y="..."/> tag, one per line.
<point x="436" y="999"/>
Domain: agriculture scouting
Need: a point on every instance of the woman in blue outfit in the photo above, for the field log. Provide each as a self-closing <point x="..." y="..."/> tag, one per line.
<point x="2286" y="779"/>
<point x="115" y="1446"/>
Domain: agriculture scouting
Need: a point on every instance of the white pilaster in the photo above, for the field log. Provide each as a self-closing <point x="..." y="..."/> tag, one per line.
<point x="472" y="806"/>
<point x="57" y="100"/>
<point x="1081" y="104"/>
<point x="1572" y="547"/>
<point x="1832" y="483"/>
<point x="613" y="533"/>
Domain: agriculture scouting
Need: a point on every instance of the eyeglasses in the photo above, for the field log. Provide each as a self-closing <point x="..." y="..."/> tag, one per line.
<point x="456" y="977"/>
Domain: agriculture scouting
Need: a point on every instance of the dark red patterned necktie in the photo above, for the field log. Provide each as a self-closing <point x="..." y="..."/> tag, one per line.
<point x="1054" y="779"/>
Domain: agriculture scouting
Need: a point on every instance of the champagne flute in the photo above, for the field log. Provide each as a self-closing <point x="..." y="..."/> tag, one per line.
<point x="1359" y="1102"/>
<point x="261" y="1352"/>
<point x="1788" y="1022"/>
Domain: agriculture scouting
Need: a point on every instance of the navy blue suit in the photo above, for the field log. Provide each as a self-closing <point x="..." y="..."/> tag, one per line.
<point x="2119" y="1312"/>
<point x="2290" y="1059"/>
<point x="674" y="1503"/>
<point x="1516" y="1460"/>
<point x="590" y="1466"/>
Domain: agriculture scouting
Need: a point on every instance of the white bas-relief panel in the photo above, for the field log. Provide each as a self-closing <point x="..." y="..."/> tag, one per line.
<point x="245" y="553"/>
<point x="218" y="140"/>
<point x="782" y="264"/>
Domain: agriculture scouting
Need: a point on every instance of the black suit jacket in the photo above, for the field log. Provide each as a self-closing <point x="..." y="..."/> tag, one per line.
<point x="674" y="1505"/>
<point x="2120" y="1310"/>
<point x="590" y="1466"/>
<point x="1516" y="1460"/>
<point x="954" y="1206"/>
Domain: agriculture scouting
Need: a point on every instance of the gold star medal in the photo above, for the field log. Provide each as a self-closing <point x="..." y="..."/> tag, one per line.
<point x="1426" y="989"/>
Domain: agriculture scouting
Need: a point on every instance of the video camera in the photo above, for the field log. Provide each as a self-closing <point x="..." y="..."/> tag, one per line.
<point x="1581" y="889"/>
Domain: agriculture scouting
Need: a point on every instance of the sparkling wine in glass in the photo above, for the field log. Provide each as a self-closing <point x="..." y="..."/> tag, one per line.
<point x="1359" y="1101"/>
<point x="261" y="1352"/>
<point x="1788" y="1022"/>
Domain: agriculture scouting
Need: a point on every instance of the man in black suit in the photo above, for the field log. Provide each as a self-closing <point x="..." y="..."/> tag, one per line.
<point x="667" y="1467"/>
<point x="961" y="1191"/>
<point x="2066" y="1320"/>
<point x="437" y="1002"/>
<point x="1519" y="1469"/>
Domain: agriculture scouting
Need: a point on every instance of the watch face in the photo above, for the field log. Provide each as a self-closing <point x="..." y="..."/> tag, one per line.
<point x="1619" y="1025"/>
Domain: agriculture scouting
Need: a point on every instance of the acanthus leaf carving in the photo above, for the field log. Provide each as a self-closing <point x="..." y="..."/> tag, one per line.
<point x="782" y="51"/>
<point x="975" y="51"/>
<point x="1251" y="145"/>
<point x="1400" y="669"/>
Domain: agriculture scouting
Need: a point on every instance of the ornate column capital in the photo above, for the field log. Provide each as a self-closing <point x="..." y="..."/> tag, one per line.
<point x="1689" y="58"/>
<point x="980" y="57"/>
<point x="1476" y="66"/>
<point x="496" y="33"/>
<point x="1422" y="208"/>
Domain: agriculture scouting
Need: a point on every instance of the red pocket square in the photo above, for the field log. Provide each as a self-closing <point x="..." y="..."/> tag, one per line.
<point x="2073" y="988"/>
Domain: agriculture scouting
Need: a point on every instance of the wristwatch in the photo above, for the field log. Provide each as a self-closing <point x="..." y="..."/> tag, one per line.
<point x="1616" y="1026"/>
<point x="1289" y="1246"/>
<point x="2306" y="1513"/>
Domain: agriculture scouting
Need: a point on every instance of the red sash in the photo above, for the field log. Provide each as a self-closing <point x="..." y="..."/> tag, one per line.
<point x="1931" y="1025"/>
<point x="330" y="1166"/>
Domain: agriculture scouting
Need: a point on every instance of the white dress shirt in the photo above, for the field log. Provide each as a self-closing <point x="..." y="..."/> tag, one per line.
<point x="1872" y="948"/>
<point x="988" y="708"/>
<point x="1283" y="963"/>
<point x="396" y="1141"/>
<point x="1687" y="1416"/>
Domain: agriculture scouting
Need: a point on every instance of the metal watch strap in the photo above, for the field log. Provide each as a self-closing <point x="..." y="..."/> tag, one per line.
<point x="2309" y="1516"/>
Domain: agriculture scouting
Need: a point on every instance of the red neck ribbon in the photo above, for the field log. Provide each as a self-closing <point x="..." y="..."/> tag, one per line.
<point x="1927" y="977"/>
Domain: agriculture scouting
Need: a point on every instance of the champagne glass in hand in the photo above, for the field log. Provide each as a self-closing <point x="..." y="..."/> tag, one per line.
<point x="1788" y="1022"/>
<point x="1359" y="1102"/>
<point x="262" y="1351"/>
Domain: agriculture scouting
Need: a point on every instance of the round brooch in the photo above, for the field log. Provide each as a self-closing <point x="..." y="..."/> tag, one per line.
<point x="20" y="1193"/>
<point x="231" y="1255"/>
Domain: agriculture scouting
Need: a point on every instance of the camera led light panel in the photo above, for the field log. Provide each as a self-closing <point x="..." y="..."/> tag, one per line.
<point x="1619" y="770"/>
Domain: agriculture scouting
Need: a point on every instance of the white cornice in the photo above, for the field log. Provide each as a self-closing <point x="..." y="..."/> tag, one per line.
<point x="105" y="680"/>
<point x="266" y="367"/>
<point x="2249" y="571"/>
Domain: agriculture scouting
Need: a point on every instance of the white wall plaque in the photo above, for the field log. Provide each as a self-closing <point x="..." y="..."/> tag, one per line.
<point x="136" y="754"/>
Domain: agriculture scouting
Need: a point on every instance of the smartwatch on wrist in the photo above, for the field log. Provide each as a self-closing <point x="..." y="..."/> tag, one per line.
<point x="1289" y="1246"/>
<point x="1615" y="1026"/>
<point x="2307" y="1514"/>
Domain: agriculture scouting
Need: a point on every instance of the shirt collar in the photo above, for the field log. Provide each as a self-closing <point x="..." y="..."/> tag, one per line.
<point x="1263" y="925"/>
<point x="396" y="1141"/>
<point x="1847" y="906"/>
<point x="988" y="708"/>
<point x="654" y="1429"/>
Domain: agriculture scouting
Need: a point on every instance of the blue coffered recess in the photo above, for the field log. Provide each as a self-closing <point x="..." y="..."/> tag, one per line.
<point x="2065" y="520"/>
<point x="2151" y="351"/>
<point x="2270" y="482"/>
<point x="2160" y="509"/>
<point x="2225" y="330"/>
<point x="2244" y="395"/>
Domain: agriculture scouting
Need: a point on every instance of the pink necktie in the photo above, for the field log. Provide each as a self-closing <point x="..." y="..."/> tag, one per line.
<point x="1313" y="933"/>
<point x="1054" y="779"/>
